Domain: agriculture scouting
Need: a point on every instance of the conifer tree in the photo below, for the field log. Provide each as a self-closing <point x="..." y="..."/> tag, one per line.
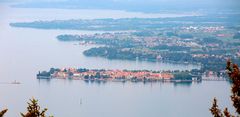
<point x="34" y="110"/>
<point x="234" y="76"/>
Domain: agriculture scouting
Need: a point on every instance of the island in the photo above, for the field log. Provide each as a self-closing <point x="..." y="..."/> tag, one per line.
<point x="194" y="75"/>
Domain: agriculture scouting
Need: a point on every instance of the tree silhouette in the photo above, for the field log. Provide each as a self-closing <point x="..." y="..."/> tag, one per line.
<point x="3" y="112"/>
<point x="214" y="110"/>
<point x="33" y="109"/>
<point x="234" y="75"/>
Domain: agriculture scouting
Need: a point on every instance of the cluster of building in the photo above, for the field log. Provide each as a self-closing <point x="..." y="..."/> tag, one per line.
<point x="117" y="75"/>
<point x="171" y="43"/>
<point x="186" y="44"/>
<point x="208" y="29"/>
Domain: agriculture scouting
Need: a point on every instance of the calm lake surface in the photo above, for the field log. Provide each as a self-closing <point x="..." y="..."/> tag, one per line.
<point x="25" y="51"/>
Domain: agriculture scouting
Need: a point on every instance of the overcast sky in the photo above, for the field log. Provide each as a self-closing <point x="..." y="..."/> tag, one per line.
<point x="134" y="4"/>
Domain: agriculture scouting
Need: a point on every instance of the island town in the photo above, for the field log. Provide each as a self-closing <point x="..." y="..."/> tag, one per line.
<point x="122" y="75"/>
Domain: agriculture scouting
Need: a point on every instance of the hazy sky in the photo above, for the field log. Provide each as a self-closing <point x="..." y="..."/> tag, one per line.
<point x="138" y="5"/>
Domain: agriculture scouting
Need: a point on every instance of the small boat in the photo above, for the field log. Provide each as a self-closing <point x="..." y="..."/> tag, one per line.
<point x="15" y="82"/>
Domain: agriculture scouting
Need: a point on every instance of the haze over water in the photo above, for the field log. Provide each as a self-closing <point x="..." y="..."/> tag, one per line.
<point x="26" y="51"/>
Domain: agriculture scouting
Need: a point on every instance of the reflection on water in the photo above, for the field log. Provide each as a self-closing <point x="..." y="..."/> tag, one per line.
<point x="188" y="84"/>
<point x="98" y="82"/>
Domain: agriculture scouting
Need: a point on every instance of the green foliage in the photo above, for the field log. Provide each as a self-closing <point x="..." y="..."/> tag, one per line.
<point x="182" y="76"/>
<point x="33" y="109"/>
<point x="236" y="36"/>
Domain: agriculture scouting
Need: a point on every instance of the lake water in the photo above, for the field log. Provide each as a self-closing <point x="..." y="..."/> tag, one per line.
<point x="26" y="51"/>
